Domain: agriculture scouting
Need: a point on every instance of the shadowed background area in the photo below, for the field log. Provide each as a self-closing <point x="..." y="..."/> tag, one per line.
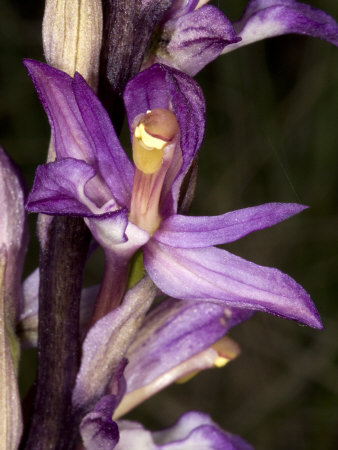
<point x="272" y="135"/>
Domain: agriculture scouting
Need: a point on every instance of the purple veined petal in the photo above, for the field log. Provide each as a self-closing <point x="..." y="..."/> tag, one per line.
<point x="146" y="91"/>
<point x="194" y="430"/>
<point x="212" y="273"/>
<point x="173" y="332"/>
<point x="216" y="356"/>
<point x="193" y="232"/>
<point x="178" y="339"/>
<point x="189" y="107"/>
<point x="196" y="39"/>
<point x="98" y="430"/>
<point x="55" y="90"/>
<point x="163" y="87"/>
<point x="112" y="162"/>
<point x="60" y="188"/>
<point x="267" y="18"/>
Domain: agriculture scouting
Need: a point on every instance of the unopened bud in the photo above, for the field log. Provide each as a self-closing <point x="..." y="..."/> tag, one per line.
<point x="72" y="34"/>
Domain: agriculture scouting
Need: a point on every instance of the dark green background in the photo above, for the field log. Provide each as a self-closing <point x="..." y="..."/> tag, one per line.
<point x="272" y="135"/>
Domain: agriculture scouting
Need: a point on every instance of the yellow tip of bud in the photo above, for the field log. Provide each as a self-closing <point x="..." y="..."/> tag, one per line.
<point x="221" y="362"/>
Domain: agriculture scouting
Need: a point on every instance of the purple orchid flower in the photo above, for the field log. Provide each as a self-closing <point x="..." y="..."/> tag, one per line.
<point x="129" y="208"/>
<point x="192" y="33"/>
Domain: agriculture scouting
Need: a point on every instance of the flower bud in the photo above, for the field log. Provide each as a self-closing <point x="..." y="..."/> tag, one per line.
<point x="72" y="34"/>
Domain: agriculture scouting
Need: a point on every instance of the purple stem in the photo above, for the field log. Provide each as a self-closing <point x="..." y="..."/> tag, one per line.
<point x="61" y="268"/>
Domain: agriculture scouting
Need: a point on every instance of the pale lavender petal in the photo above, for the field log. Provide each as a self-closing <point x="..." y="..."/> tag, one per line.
<point x="55" y="90"/>
<point x="98" y="430"/>
<point x="193" y="232"/>
<point x="173" y="332"/>
<point x="163" y="87"/>
<point x="212" y="273"/>
<point x="112" y="161"/>
<point x="59" y="188"/>
<point x="106" y="343"/>
<point x="193" y="430"/>
<point x="114" y="233"/>
<point x="195" y="39"/>
<point x="267" y="18"/>
<point x="27" y="327"/>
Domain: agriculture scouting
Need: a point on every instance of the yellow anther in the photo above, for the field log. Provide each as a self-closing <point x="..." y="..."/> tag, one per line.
<point x="147" y="160"/>
<point x="147" y="139"/>
<point x="156" y="129"/>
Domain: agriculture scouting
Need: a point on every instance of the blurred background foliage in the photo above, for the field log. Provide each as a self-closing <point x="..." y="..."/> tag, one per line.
<point x="272" y="135"/>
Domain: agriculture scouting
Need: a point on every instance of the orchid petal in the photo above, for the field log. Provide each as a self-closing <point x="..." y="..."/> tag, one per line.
<point x="117" y="236"/>
<point x="196" y="39"/>
<point x="192" y="232"/>
<point x="59" y="188"/>
<point x="267" y="18"/>
<point x="177" y="339"/>
<point x="55" y="90"/>
<point x="212" y="273"/>
<point x="107" y="342"/>
<point x="218" y="355"/>
<point x="113" y="163"/>
<point x="98" y="430"/>
<point x="173" y="332"/>
<point x="193" y="430"/>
